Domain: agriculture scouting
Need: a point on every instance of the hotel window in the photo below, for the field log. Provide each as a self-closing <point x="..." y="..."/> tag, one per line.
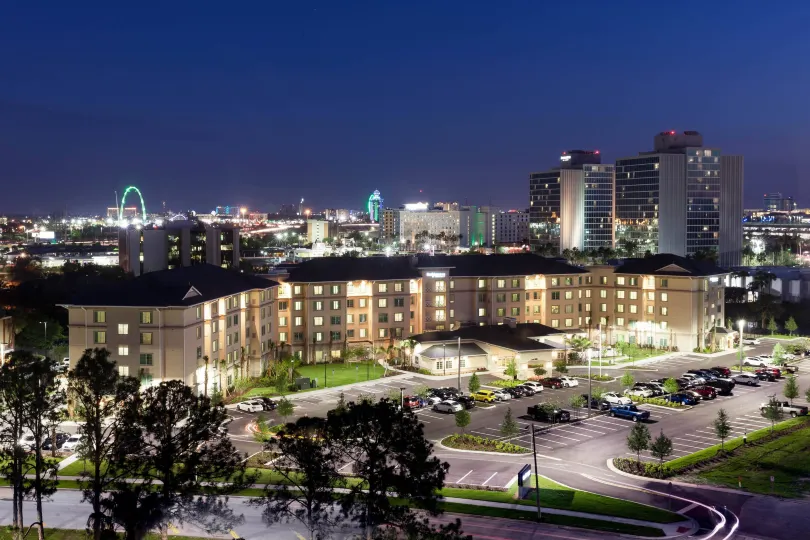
<point x="263" y="313"/>
<point x="99" y="337"/>
<point x="298" y="305"/>
<point x="515" y="311"/>
<point x="198" y="331"/>
<point x="398" y="287"/>
<point x="349" y="333"/>
<point x="282" y="321"/>
<point x="363" y="318"/>
<point x="536" y="309"/>
<point x="349" y="303"/>
<point x="298" y="336"/>
<point x="555" y="295"/>
<point x="555" y="323"/>
<point x="555" y="282"/>
<point x="123" y="329"/>
<point x="664" y="310"/>
<point x="383" y="333"/>
<point x="633" y="295"/>
<point x="146" y="338"/>
<point x="569" y="281"/>
<point x="317" y="305"/>
<point x="199" y="352"/>
<point x="603" y="293"/>
<point x="99" y="316"/>
<point x="215" y="326"/>
<point x="123" y="350"/>
<point x="482" y="283"/>
<point x="603" y="308"/>
<point x="633" y="308"/>
<point x="651" y="310"/>
<point x="335" y="304"/>
<point x="588" y="293"/>
<point x="619" y="308"/>
<point x="602" y="320"/>
<point x="500" y="297"/>
<point x="620" y="280"/>
<point x="515" y="283"/>
<point x="317" y="321"/>
<point x="620" y="295"/>
<point x="587" y="307"/>
<point x="665" y="283"/>
<point x="501" y="283"/>
<point x="317" y="289"/>
<point x="440" y="316"/>
<point x="334" y="319"/>
<point x="482" y="312"/>
<point x="569" y="295"/>
<point x="664" y="325"/>
<point x="569" y="308"/>
<point x="146" y="317"/>
<point x="382" y="317"/>
<point x="399" y="302"/>
<point x="236" y="320"/>
<point x="362" y="303"/>
<point x="536" y="295"/>
<point x="439" y="300"/>
<point x="440" y="286"/>
<point x="452" y="284"/>
<point x="651" y="296"/>
<point x="145" y="359"/>
<point x="334" y="335"/>
<point x="500" y="312"/>
<point x="619" y="321"/>
<point x="382" y="287"/>
<point x="318" y="336"/>
<point x="516" y="297"/>
<point x="399" y="317"/>
<point x="282" y="336"/>
<point x="350" y="318"/>
<point x="123" y="371"/>
<point x="588" y="280"/>
<point x="664" y="297"/>
<point x="363" y="333"/>
<point x="228" y="340"/>
<point x="299" y="321"/>
<point x="555" y="309"/>
<point x="283" y="305"/>
<point x="335" y="289"/>
<point x="569" y="322"/>
<point x="198" y="312"/>
<point x="382" y="302"/>
<point x="412" y="315"/>
<point x="297" y="289"/>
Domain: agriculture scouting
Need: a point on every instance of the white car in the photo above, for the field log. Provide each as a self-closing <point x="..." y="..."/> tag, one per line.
<point x="433" y="400"/>
<point x="756" y="361"/>
<point x="534" y="384"/>
<point x="697" y="380"/>
<point x="616" y="399"/>
<point x="449" y="406"/>
<point x="639" y="392"/>
<point x="72" y="443"/>
<point x="751" y="341"/>
<point x="568" y="382"/>
<point x="500" y="395"/>
<point x="250" y="406"/>
<point x="745" y="378"/>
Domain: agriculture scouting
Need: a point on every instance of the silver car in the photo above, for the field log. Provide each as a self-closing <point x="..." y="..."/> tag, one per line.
<point x="448" y="406"/>
<point x="500" y="395"/>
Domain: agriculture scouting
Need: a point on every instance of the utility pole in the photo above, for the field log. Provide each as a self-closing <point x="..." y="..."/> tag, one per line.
<point x="536" y="476"/>
<point x="459" y="364"/>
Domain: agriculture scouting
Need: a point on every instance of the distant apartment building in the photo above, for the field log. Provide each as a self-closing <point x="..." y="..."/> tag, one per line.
<point x="776" y="202"/>
<point x="681" y="198"/>
<point x="467" y="226"/>
<point x="151" y="248"/>
<point x="511" y="228"/>
<point x="318" y="230"/>
<point x="389" y="224"/>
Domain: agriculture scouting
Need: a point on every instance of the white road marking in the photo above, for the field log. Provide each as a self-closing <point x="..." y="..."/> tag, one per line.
<point x="465" y="476"/>
<point x="687" y="508"/>
<point x="687" y="445"/>
<point x="578" y="429"/>
<point x="488" y="479"/>
<point x="343" y="467"/>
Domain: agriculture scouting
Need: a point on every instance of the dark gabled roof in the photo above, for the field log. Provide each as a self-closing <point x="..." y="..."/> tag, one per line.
<point x="439" y="351"/>
<point x="503" y="335"/>
<point x="406" y="267"/>
<point x="178" y="287"/>
<point x="666" y="264"/>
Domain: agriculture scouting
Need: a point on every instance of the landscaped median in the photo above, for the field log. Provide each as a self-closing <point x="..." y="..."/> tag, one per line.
<point x="659" y="402"/>
<point x="481" y="444"/>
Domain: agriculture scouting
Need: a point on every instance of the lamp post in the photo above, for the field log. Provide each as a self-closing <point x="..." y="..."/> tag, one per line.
<point x="444" y="358"/>
<point x="537" y="474"/>
<point x="459" y="364"/>
<point x="402" y="398"/>
<point x="741" y="325"/>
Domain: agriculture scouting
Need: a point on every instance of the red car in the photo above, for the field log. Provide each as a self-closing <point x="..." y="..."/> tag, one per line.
<point x="706" y="392"/>
<point x="724" y="370"/>
<point x="776" y="372"/>
<point x="552" y="382"/>
<point x="411" y="402"/>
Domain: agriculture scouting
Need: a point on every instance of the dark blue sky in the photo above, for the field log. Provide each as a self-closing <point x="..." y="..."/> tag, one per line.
<point x="205" y="103"/>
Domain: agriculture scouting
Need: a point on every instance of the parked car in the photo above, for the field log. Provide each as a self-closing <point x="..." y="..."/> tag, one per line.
<point x="722" y="386"/>
<point x="72" y="443"/>
<point x="60" y="440"/>
<point x="746" y="378"/>
<point x="552" y="382"/>
<point x="487" y="396"/>
<point x="629" y="411"/>
<point x="411" y="402"/>
<point x="250" y="406"/>
<point x="694" y="394"/>
<point x="706" y="392"/>
<point x="681" y="397"/>
<point x="432" y="400"/>
<point x="755" y="361"/>
<point x="537" y="385"/>
<point x="685" y="383"/>
<point x="786" y="408"/>
<point x="467" y="401"/>
<point x="598" y="404"/>
<point x="440" y="393"/>
<point x="616" y="399"/>
<point x="450" y="391"/>
<point x="656" y="389"/>
<point x="546" y="412"/>
<point x="267" y="403"/>
<point x="449" y="407"/>
<point x="516" y="392"/>
<point x="639" y="391"/>
<point x="751" y="341"/>
<point x="790" y="368"/>
<point x="722" y="370"/>
<point x="764" y="375"/>
<point x="502" y="395"/>
<point x="694" y="380"/>
<point x="530" y="390"/>
<point x="775" y="371"/>
<point x="568" y="382"/>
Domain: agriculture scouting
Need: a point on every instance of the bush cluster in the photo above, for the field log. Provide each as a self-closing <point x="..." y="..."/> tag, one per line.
<point x="506" y="384"/>
<point x="658" y="401"/>
<point x="650" y="470"/>
<point x="483" y="444"/>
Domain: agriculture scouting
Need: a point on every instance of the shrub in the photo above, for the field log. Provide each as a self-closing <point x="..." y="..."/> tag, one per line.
<point x="658" y="401"/>
<point x="506" y="384"/>
<point x="650" y="470"/>
<point x="482" y="444"/>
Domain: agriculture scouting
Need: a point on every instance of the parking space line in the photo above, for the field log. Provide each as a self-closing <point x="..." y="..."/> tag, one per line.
<point x="463" y="477"/>
<point x="572" y="428"/>
<point x="687" y="445"/>
<point x="431" y="416"/>
<point x="699" y="437"/>
<point x="601" y="421"/>
<point x="488" y="479"/>
<point x="554" y="433"/>
<point x="557" y="442"/>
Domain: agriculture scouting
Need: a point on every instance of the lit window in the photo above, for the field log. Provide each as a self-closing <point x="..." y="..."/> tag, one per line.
<point x="620" y="280"/>
<point x="633" y="295"/>
<point x="439" y="300"/>
<point x="482" y="312"/>
<point x="299" y="321"/>
<point x="440" y="315"/>
<point x="361" y="303"/>
<point x="349" y="318"/>
<point x="569" y="322"/>
<point x="298" y="305"/>
<point x="363" y="333"/>
<point x="619" y="321"/>
<point x="664" y="310"/>
<point x="603" y="293"/>
<point x="555" y="309"/>
<point x="317" y="289"/>
<point x="603" y="308"/>
<point x="620" y="294"/>
<point x="335" y="304"/>
<point x="664" y="325"/>
<point x="123" y="350"/>
<point x="633" y="308"/>
<point x="382" y="302"/>
<point x="569" y="295"/>
<point x="146" y="317"/>
<point x="555" y="282"/>
<point x="99" y="316"/>
<point x="440" y="286"/>
<point x="664" y="297"/>
<point x="297" y="289"/>
<point x="382" y="287"/>
<point x="482" y="283"/>
<point x="318" y="336"/>
<point x="282" y="321"/>
<point x="619" y="308"/>
<point x="501" y="283"/>
<point x="317" y="321"/>
<point x="123" y="329"/>
<point x="651" y="310"/>
<point x="146" y="338"/>
<point x="123" y="371"/>
<point x="398" y="287"/>
<point x="100" y="337"/>
<point x="282" y="336"/>
<point x="335" y="289"/>
<point x="555" y="323"/>
<point x="399" y="317"/>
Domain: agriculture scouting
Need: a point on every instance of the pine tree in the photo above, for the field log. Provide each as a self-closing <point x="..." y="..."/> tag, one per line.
<point x="628" y="380"/>
<point x="474" y="384"/>
<point x="791" y="326"/>
<point x="791" y="390"/>
<point x="661" y="447"/>
<point x="772" y="326"/>
<point x="509" y="428"/>
<point x="462" y="419"/>
<point x="639" y="439"/>
<point x="722" y="427"/>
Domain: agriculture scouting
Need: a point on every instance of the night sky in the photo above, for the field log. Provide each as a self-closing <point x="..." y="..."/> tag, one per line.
<point x="262" y="103"/>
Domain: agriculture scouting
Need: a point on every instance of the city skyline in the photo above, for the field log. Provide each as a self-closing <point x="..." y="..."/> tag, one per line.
<point x="330" y="103"/>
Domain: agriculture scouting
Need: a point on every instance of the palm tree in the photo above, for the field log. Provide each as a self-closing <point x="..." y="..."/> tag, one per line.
<point x="579" y="344"/>
<point x="244" y="362"/>
<point x="223" y="367"/>
<point x="409" y="344"/>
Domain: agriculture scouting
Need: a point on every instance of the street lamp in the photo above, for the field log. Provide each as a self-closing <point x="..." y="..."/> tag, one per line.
<point x="46" y="332"/>
<point x="402" y="398"/>
<point x="741" y="325"/>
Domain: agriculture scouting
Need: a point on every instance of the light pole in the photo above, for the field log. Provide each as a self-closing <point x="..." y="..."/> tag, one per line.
<point x="402" y="398"/>
<point x="444" y="358"/>
<point x="741" y="324"/>
<point x="536" y="475"/>
<point x="459" y="364"/>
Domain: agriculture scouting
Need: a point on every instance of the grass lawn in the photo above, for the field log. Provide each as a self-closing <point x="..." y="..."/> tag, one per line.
<point x="336" y="375"/>
<point x="72" y="534"/>
<point x="786" y="459"/>
<point x="553" y="495"/>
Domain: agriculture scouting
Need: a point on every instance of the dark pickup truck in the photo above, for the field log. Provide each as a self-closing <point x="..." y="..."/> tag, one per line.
<point x="547" y="413"/>
<point x="629" y="411"/>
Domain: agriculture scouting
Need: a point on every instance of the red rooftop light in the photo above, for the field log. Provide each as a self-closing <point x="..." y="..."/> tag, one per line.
<point x="672" y="133"/>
